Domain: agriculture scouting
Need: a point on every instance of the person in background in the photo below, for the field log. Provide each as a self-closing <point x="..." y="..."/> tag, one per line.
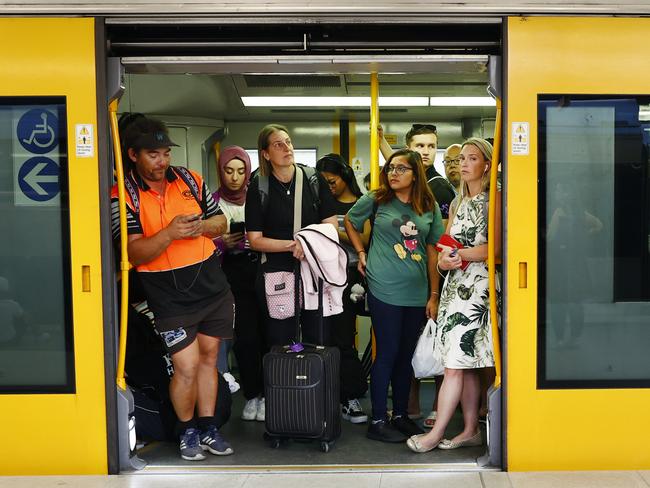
<point x="423" y="139"/>
<point x="171" y="221"/>
<point x="451" y="160"/>
<point x="241" y="265"/>
<point x="400" y="268"/>
<point x="345" y="189"/>
<point x="270" y="226"/>
<point x="464" y="331"/>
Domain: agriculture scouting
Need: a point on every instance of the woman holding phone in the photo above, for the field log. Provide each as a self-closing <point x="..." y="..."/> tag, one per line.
<point x="240" y="264"/>
<point x="464" y="335"/>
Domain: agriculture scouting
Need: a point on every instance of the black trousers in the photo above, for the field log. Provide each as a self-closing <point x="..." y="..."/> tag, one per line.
<point x="343" y="330"/>
<point x="249" y="345"/>
<point x="338" y="331"/>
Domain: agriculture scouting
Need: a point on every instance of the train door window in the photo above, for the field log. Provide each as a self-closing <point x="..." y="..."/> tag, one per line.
<point x="36" y="353"/>
<point x="594" y="245"/>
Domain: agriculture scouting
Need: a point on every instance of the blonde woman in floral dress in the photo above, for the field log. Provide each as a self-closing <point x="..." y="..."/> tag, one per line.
<point x="464" y="336"/>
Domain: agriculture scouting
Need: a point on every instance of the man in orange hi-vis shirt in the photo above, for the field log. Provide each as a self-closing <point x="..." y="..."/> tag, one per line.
<point x="171" y="220"/>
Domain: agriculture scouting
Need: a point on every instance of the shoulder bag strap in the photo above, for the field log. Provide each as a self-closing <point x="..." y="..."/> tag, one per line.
<point x="297" y="224"/>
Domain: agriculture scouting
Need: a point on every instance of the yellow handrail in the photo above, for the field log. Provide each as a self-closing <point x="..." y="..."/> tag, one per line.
<point x="492" y="244"/>
<point x="124" y="259"/>
<point x="374" y="136"/>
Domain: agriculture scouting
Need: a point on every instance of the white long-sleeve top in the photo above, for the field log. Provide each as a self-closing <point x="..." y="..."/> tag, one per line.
<point x="326" y="259"/>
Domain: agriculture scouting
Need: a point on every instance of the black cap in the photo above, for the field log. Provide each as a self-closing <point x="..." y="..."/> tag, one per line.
<point x="154" y="140"/>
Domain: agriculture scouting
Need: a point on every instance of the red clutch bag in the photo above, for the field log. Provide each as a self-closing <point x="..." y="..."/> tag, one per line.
<point x="447" y="240"/>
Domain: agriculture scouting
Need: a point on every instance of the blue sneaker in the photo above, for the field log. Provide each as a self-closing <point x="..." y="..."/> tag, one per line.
<point x="212" y="441"/>
<point x="190" y="448"/>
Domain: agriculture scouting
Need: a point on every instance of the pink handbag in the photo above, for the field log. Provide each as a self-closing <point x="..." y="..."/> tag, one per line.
<point x="280" y="287"/>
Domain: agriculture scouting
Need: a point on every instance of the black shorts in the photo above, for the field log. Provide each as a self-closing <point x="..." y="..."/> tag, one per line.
<point x="215" y="320"/>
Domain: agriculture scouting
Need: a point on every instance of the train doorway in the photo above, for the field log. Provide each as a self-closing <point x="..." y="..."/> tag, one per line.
<point x="213" y="101"/>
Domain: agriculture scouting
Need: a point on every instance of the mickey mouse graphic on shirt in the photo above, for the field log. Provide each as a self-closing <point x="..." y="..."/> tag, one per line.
<point x="409" y="233"/>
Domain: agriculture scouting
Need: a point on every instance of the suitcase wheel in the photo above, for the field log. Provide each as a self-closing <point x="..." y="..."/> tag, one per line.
<point x="326" y="446"/>
<point x="275" y="443"/>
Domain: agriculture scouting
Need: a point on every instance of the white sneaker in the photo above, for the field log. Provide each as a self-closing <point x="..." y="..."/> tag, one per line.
<point x="250" y="409"/>
<point x="261" y="410"/>
<point x="232" y="382"/>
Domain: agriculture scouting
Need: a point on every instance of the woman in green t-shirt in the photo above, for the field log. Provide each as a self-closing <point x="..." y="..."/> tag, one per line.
<point x="400" y="268"/>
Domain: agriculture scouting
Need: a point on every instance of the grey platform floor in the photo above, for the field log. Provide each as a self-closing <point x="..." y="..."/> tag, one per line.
<point x="352" y="451"/>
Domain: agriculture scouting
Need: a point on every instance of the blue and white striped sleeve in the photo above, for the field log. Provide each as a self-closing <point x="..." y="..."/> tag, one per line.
<point x="132" y="220"/>
<point x="211" y="207"/>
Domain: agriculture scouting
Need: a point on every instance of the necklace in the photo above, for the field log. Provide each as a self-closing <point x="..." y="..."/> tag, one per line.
<point x="286" y="187"/>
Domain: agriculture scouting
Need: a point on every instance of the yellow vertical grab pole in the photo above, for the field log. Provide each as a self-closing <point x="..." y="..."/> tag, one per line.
<point x="374" y="136"/>
<point x="374" y="155"/>
<point x="492" y="246"/>
<point x="124" y="257"/>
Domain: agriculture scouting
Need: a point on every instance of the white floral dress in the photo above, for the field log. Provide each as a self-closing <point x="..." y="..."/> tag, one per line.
<point x="464" y="333"/>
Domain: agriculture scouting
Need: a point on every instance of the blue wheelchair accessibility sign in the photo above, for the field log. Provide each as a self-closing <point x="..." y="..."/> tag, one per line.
<point x="38" y="179"/>
<point x="37" y="131"/>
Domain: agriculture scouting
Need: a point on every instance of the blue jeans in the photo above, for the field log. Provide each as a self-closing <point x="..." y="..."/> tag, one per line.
<point x="397" y="330"/>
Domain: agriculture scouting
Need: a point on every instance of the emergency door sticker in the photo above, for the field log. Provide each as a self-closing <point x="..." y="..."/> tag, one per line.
<point x="520" y="139"/>
<point x="85" y="141"/>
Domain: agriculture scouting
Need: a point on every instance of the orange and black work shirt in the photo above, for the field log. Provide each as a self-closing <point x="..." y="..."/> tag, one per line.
<point x="187" y="276"/>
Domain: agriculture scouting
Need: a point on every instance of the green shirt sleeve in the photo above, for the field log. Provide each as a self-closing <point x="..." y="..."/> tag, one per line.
<point x="361" y="211"/>
<point x="436" y="229"/>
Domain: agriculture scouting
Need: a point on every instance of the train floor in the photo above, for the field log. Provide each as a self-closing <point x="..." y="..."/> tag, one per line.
<point x="352" y="450"/>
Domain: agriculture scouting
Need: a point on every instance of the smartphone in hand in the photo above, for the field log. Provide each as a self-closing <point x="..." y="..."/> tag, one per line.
<point x="237" y="227"/>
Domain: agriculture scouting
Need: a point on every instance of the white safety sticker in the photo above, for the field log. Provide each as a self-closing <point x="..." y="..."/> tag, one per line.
<point x="85" y="141"/>
<point x="520" y="139"/>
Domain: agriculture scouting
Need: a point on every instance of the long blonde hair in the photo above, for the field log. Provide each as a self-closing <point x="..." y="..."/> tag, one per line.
<point x="485" y="149"/>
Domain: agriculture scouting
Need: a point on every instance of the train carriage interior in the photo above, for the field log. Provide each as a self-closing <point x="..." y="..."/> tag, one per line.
<point x="207" y="111"/>
<point x="324" y="101"/>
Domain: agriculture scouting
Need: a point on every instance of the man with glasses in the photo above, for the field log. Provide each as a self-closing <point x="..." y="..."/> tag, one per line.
<point x="451" y="161"/>
<point x="423" y="139"/>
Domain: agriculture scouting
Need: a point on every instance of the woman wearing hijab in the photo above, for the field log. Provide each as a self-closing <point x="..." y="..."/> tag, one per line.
<point x="240" y="264"/>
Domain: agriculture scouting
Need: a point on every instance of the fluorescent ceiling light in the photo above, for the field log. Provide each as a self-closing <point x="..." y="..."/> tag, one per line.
<point x="333" y="101"/>
<point x="462" y="102"/>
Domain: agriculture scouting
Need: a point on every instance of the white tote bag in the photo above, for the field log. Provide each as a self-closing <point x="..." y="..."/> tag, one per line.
<point x="424" y="364"/>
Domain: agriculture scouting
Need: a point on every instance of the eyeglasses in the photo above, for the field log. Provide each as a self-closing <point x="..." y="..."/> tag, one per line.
<point x="430" y="127"/>
<point x="448" y="162"/>
<point x="400" y="170"/>
<point x="281" y="144"/>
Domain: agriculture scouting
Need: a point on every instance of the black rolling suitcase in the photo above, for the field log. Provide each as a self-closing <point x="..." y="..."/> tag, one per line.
<point x="302" y="389"/>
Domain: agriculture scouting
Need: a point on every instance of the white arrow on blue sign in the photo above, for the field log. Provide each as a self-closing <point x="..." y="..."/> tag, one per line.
<point x="38" y="179"/>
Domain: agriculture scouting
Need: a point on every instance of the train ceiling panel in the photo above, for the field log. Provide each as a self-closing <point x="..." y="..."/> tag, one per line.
<point x="220" y="96"/>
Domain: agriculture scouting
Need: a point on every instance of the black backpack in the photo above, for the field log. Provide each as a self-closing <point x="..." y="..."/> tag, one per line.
<point x="312" y="180"/>
<point x="183" y="173"/>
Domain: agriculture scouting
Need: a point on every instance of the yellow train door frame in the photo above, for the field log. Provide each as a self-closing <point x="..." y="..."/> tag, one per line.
<point x="561" y="429"/>
<point x="48" y="57"/>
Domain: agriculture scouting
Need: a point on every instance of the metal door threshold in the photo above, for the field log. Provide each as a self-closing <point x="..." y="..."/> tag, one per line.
<point x="323" y="468"/>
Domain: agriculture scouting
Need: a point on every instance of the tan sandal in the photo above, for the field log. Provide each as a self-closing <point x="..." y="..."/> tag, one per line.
<point x="414" y="445"/>
<point x="475" y="440"/>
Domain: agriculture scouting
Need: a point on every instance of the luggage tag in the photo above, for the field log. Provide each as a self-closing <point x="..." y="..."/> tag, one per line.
<point x="296" y="347"/>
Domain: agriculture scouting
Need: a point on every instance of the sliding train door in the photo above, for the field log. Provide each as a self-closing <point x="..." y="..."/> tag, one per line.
<point x="52" y="389"/>
<point x="578" y="239"/>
